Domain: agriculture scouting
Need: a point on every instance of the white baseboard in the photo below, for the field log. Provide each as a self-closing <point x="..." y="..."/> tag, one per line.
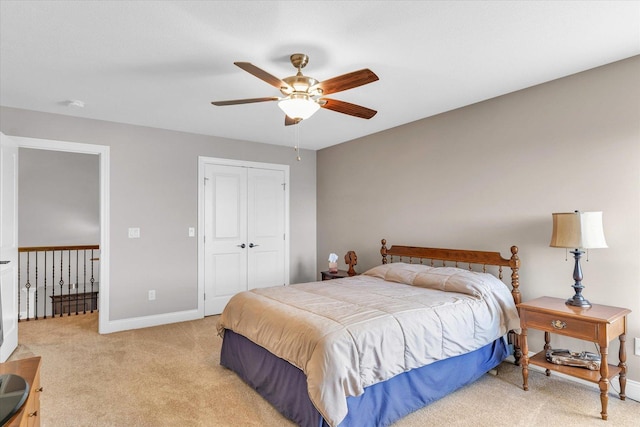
<point x="149" y="321"/>
<point x="632" y="390"/>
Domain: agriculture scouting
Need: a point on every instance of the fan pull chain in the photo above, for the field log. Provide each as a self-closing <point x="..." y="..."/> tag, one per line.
<point x="297" y="141"/>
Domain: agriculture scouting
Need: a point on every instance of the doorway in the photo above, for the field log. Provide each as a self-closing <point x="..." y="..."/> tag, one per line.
<point x="102" y="151"/>
<point x="243" y="228"/>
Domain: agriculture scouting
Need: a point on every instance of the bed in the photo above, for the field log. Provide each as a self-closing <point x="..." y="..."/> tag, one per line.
<point x="370" y="349"/>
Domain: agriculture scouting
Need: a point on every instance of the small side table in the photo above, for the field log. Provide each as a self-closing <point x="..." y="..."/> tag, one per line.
<point x="599" y="324"/>
<point x="340" y="274"/>
<point x="29" y="369"/>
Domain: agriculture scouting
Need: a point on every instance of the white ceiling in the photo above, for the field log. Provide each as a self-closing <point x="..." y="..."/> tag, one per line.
<point x="161" y="63"/>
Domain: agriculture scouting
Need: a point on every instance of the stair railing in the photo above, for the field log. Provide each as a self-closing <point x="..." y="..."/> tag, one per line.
<point x="57" y="280"/>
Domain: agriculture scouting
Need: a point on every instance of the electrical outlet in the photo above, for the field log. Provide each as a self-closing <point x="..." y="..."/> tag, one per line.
<point x="637" y="349"/>
<point x="152" y="295"/>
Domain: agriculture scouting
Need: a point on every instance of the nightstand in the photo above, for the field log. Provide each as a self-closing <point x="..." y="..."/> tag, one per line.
<point x="340" y="274"/>
<point x="599" y="324"/>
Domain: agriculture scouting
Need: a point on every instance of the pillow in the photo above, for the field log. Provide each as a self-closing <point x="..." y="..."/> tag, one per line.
<point x="452" y="279"/>
<point x="378" y="271"/>
<point x="399" y="272"/>
<point x="447" y="279"/>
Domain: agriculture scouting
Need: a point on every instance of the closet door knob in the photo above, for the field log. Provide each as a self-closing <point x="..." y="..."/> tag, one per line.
<point x="241" y="246"/>
<point x="251" y="245"/>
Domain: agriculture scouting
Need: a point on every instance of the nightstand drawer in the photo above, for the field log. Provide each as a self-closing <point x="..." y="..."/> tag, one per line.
<point x="562" y="325"/>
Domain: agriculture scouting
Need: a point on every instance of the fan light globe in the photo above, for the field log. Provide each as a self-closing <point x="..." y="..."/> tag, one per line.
<point x="298" y="106"/>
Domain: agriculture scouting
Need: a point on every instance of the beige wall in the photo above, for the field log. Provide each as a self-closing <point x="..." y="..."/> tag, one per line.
<point x="154" y="187"/>
<point x="488" y="176"/>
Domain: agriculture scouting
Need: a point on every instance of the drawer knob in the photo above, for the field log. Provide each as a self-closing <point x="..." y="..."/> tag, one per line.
<point x="33" y="414"/>
<point x="558" y="324"/>
<point x="39" y="389"/>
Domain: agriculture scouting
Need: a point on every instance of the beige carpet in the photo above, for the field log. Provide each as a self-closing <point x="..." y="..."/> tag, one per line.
<point x="170" y="376"/>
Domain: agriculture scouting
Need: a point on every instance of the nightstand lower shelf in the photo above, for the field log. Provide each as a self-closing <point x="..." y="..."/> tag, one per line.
<point x="585" y="374"/>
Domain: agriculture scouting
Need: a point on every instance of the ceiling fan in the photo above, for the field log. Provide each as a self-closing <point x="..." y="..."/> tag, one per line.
<point x="304" y="95"/>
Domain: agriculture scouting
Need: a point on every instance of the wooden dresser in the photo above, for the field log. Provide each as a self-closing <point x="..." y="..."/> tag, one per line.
<point x="29" y="369"/>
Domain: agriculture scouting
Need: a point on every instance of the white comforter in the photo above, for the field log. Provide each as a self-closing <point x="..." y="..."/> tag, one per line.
<point x="351" y="333"/>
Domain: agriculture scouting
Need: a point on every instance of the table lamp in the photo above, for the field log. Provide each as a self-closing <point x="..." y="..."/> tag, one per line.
<point x="578" y="230"/>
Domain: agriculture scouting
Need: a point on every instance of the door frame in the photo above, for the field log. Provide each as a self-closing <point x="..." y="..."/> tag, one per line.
<point x="104" y="323"/>
<point x="202" y="162"/>
<point x="9" y="274"/>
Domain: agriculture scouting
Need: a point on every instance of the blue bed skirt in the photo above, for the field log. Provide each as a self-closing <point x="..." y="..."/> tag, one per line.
<point x="285" y="386"/>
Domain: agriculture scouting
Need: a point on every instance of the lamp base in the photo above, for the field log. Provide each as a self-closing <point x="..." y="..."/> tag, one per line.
<point x="578" y="301"/>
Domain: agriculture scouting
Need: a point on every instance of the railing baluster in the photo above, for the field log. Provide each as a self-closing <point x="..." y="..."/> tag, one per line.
<point x="69" y="277"/>
<point x="92" y="278"/>
<point x="28" y="284"/>
<point x="61" y="282"/>
<point x="53" y="282"/>
<point x="84" y="281"/>
<point x="76" y="282"/>
<point x="45" y="286"/>
<point x="35" y="304"/>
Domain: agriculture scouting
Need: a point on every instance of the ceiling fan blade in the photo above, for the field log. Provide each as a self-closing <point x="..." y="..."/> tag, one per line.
<point x="347" y="108"/>
<point x="263" y="75"/>
<point x="288" y="121"/>
<point x="245" y="101"/>
<point x="346" y="81"/>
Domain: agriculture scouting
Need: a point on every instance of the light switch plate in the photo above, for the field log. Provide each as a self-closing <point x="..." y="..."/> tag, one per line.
<point x="134" y="232"/>
<point x="192" y="231"/>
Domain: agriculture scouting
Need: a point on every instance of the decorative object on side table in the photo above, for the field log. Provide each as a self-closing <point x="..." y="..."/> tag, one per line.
<point x="351" y="259"/>
<point x="333" y="263"/>
<point x="14" y="391"/>
<point x="578" y="230"/>
<point x="583" y="359"/>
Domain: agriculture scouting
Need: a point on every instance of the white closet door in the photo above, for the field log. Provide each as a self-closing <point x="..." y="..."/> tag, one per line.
<point x="266" y="228"/>
<point x="244" y="231"/>
<point x="225" y="235"/>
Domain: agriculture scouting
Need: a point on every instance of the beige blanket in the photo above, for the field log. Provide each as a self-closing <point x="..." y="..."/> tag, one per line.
<point x="351" y="333"/>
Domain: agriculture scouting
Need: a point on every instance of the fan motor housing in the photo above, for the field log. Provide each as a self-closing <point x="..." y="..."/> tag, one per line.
<point x="299" y="83"/>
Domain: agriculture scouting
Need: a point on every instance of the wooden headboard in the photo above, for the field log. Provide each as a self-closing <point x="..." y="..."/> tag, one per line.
<point x="457" y="256"/>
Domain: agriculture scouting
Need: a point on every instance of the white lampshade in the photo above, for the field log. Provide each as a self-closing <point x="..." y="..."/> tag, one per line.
<point x="578" y="230"/>
<point x="298" y="106"/>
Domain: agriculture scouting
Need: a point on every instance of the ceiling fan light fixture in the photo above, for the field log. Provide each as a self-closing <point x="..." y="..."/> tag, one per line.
<point x="298" y="106"/>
